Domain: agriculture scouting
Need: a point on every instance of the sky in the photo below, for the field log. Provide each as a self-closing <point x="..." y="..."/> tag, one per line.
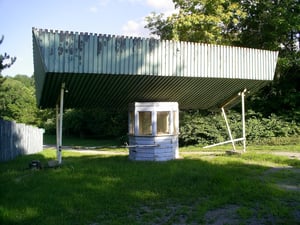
<point x="116" y="17"/>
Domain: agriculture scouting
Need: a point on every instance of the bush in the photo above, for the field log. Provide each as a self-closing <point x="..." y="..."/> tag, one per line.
<point x="95" y="123"/>
<point x="200" y="128"/>
<point x="259" y="128"/>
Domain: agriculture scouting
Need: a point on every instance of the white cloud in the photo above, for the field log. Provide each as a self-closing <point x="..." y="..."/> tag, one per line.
<point x="103" y="2"/>
<point x="93" y="9"/>
<point x="98" y="3"/>
<point x="164" y="5"/>
<point x="135" y="28"/>
<point x="160" y="6"/>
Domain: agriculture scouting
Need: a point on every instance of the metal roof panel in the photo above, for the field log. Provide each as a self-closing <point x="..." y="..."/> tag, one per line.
<point x="111" y="71"/>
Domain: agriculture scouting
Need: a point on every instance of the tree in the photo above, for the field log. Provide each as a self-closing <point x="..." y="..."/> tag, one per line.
<point x="17" y="99"/>
<point x="275" y="25"/>
<point x="209" y="21"/>
<point x="100" y="123"/>
<point x="2" y="79"/>
<point x="271" y="24"/>
<point x="5" y="60"/>
<point x="27" y="81"/>
<point x="17" y="102"/>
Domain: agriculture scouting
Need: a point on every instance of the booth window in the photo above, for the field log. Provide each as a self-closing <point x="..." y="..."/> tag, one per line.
<point x="145" y="123"/>
<point x="131" y="123"/>
<point x="163" y="120"/>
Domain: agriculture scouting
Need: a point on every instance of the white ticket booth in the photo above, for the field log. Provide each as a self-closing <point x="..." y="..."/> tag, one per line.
<point x="153" y="131"/>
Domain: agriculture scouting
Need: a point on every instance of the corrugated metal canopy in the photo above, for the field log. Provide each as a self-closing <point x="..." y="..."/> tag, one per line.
<point x="112" y="71"/>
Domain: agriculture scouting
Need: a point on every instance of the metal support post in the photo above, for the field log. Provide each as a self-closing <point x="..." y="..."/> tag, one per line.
<point x="57" y="131"/>
<point x="243" y="119"/>
<point x="60" y="123"/>
<point x="228" y="129"/>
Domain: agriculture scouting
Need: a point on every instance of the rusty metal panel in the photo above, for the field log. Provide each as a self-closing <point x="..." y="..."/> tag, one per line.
<point x="110" y="71"/>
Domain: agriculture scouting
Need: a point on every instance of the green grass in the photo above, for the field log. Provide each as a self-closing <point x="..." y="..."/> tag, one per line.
<point x="106" y="189"/>
<point x="251" y="147"/>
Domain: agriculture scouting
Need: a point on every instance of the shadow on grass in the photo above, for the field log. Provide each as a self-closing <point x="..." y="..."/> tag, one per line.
<point x="99" y="189"/>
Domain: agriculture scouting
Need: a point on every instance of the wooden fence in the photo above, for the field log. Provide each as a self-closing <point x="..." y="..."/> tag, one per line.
<point x="19" y="139"/>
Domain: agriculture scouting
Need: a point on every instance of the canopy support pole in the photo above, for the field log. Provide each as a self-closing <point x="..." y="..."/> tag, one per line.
<point x="59" y="123"/>
<point x="57" y="132"/>
<point x="243" y="119"/>
<point x="232" y="141"/>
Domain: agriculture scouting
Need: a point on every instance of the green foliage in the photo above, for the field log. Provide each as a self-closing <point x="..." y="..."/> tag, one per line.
<point x="209" y="21"/>
<point x="2" y="79"/>
<point x="98" y="123"/>
<point x="283" y="95"/>
<point x="275" y="25"/>
<point x="270" y="24"/>
<point x="46" y="119"/>
<point x="17" y="101"/>
<point x="260" y="128"/>
<point x="200" y="128"/>
<point x="27" y="81"/>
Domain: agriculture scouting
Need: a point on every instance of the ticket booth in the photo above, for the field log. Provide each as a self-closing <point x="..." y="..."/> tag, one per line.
<point x="153" y="131"/>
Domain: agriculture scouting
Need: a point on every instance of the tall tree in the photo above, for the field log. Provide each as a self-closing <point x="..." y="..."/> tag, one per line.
<point x="17" y="102"/>
<point x="209" y="21"/>
<point x="271" y="24"/>
<point x="275" y="25"/>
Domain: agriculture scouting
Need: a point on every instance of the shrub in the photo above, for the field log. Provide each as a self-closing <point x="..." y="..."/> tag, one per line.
<point x="200" y="128"/>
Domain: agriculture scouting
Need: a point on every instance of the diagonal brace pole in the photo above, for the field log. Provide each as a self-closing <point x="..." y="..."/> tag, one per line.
<point x="228" y="129"/>
<point x="232" y="141"/>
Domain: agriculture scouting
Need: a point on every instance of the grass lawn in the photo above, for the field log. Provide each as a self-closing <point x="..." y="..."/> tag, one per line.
<point x="257" y="187"/>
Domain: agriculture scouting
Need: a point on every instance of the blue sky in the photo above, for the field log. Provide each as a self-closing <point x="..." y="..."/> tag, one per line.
<point x="120" y="17"/>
